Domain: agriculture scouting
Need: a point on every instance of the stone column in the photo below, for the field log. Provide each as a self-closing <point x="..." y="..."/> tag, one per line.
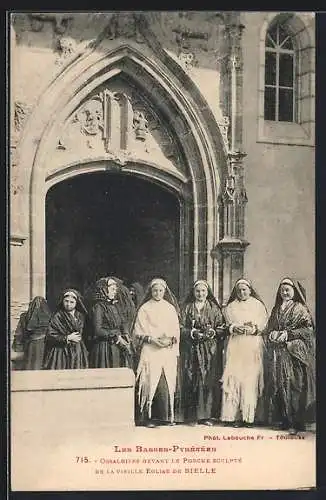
<point x="231" y="247"/>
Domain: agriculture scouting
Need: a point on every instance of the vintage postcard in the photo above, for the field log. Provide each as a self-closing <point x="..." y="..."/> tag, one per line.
<point x="162" y="286"/>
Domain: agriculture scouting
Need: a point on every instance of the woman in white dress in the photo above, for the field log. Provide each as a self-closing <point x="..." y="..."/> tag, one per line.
<point x="243" y="377"/>
<point x="156" y="335"/>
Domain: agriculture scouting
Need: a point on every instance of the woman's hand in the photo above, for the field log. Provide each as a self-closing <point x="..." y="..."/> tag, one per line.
<point x="250" y="329"/>
<point x="282" y="337"/>
<point x="273" y="335"/>
<point x="122" y="342"/>
<point x="160" y="342"/>
<point x="238" y="329"/>
<point x="166" y="341"/>
<point x="74" y="337"/>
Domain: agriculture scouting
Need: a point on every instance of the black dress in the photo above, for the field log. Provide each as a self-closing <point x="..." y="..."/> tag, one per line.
<point x="107" y="325"/>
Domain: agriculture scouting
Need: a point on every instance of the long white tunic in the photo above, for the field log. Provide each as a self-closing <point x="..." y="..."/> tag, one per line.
<point x="157" y="319"/>
<point x="243" y="373"/>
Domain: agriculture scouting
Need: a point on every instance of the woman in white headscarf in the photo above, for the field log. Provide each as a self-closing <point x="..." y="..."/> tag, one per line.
<point x="201" y="355"/>
<point x="156" y="334"/>
<point x="243" y="377"/>
<point x="64" y="344"/>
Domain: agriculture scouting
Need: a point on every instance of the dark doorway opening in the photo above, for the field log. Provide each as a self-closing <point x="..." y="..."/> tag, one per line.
<point x="103" y="224"/>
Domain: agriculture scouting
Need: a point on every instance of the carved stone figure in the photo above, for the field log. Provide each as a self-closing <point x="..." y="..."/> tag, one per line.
<point x="20" y="114"/>
<point x="91" y="117"/>
<point x="224" y="128"/>
<point x="66" y="47"/>
<point x="140" y="125"/>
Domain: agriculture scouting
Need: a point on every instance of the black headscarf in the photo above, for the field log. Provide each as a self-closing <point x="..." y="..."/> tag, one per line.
<point x="190" y="298"/>
<point x="138" y="291"/>
<point x="80" y="306"/>
<point x="123" y="298"/>
<point x="38" y="314"/>
<point x="253" y="292"/>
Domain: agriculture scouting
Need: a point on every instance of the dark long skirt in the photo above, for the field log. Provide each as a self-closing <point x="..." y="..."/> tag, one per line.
<point x="34" y="354"/>
<point x="106" y="355"/>
<point x="73" y="356"/>
<point x="160" y="405"/>
<point x="288" y="403"/>
<point x="201" y="397"/>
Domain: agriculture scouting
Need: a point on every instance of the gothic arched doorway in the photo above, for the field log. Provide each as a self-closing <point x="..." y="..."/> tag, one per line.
<point x="102" y="224"/>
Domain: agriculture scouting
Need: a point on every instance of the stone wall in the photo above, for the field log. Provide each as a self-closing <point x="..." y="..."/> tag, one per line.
<point x="280" y="181"/>
<point x="279" y="178"/>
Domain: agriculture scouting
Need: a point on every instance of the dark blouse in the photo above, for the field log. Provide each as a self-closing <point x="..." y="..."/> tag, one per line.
<point x="107" y="322"/>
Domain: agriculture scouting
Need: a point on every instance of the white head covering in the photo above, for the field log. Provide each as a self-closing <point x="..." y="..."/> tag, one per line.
<point x="158" y="281"/>
<point x="287" y="281"/>
<point x="201" y="282"/>
<point x="243" y="281"/>
<point x="70" y="293"/>
<point x="111" y="282"/>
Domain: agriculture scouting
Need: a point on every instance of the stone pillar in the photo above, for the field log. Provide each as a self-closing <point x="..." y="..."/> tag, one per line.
<point x="231" y="247"/>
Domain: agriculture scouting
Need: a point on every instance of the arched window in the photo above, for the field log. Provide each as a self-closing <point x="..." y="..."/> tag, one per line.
<point x="280" y="75"/>
<point x="286" y="88"/>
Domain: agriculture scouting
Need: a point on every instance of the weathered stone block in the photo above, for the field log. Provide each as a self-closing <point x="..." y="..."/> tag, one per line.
<point x="58" y="401"/>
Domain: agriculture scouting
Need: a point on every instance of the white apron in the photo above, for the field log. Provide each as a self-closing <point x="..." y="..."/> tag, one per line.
<point x="156" y="319"/>
<point x="243" y="373"/>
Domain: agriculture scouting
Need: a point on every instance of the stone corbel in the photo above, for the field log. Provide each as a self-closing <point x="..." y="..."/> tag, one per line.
<point x="120" y="158"/>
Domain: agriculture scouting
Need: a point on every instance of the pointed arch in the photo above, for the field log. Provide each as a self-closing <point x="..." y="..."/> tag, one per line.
<point x="173" y="94"/>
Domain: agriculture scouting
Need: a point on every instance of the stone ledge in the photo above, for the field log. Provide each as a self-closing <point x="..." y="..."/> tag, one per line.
<point x="58" y="380"/>
<point x="58" y="402"/>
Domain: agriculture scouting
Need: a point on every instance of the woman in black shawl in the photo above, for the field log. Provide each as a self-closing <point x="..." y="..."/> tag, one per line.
<point x="201" y="355"/>
<point x="30" y="334"/>
<point x="111" y="317"/>
<point x="65" y="349"/>
<point x="290" y="374"/>
<point x="137" y="293"/>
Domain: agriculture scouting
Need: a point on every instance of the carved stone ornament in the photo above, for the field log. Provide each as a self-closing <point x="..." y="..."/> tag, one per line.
<point x="66" y="48"/>
<point x="21" y="112"/>
<point x="90" y="117"/>
<point x="60" y="21"/>
<point x="224" y="128"/>
<point x="121" y="157"/>
<point x="123" y="24"/>
<point x="229" y="189"/>
<point x="187" y="60"/>
<point x="184" y="37"/>
<point x="140" y="124"/>
<point x="235" y="62"/>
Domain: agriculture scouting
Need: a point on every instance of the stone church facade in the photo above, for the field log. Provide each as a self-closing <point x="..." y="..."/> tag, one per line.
<point x="161" y="142"/>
